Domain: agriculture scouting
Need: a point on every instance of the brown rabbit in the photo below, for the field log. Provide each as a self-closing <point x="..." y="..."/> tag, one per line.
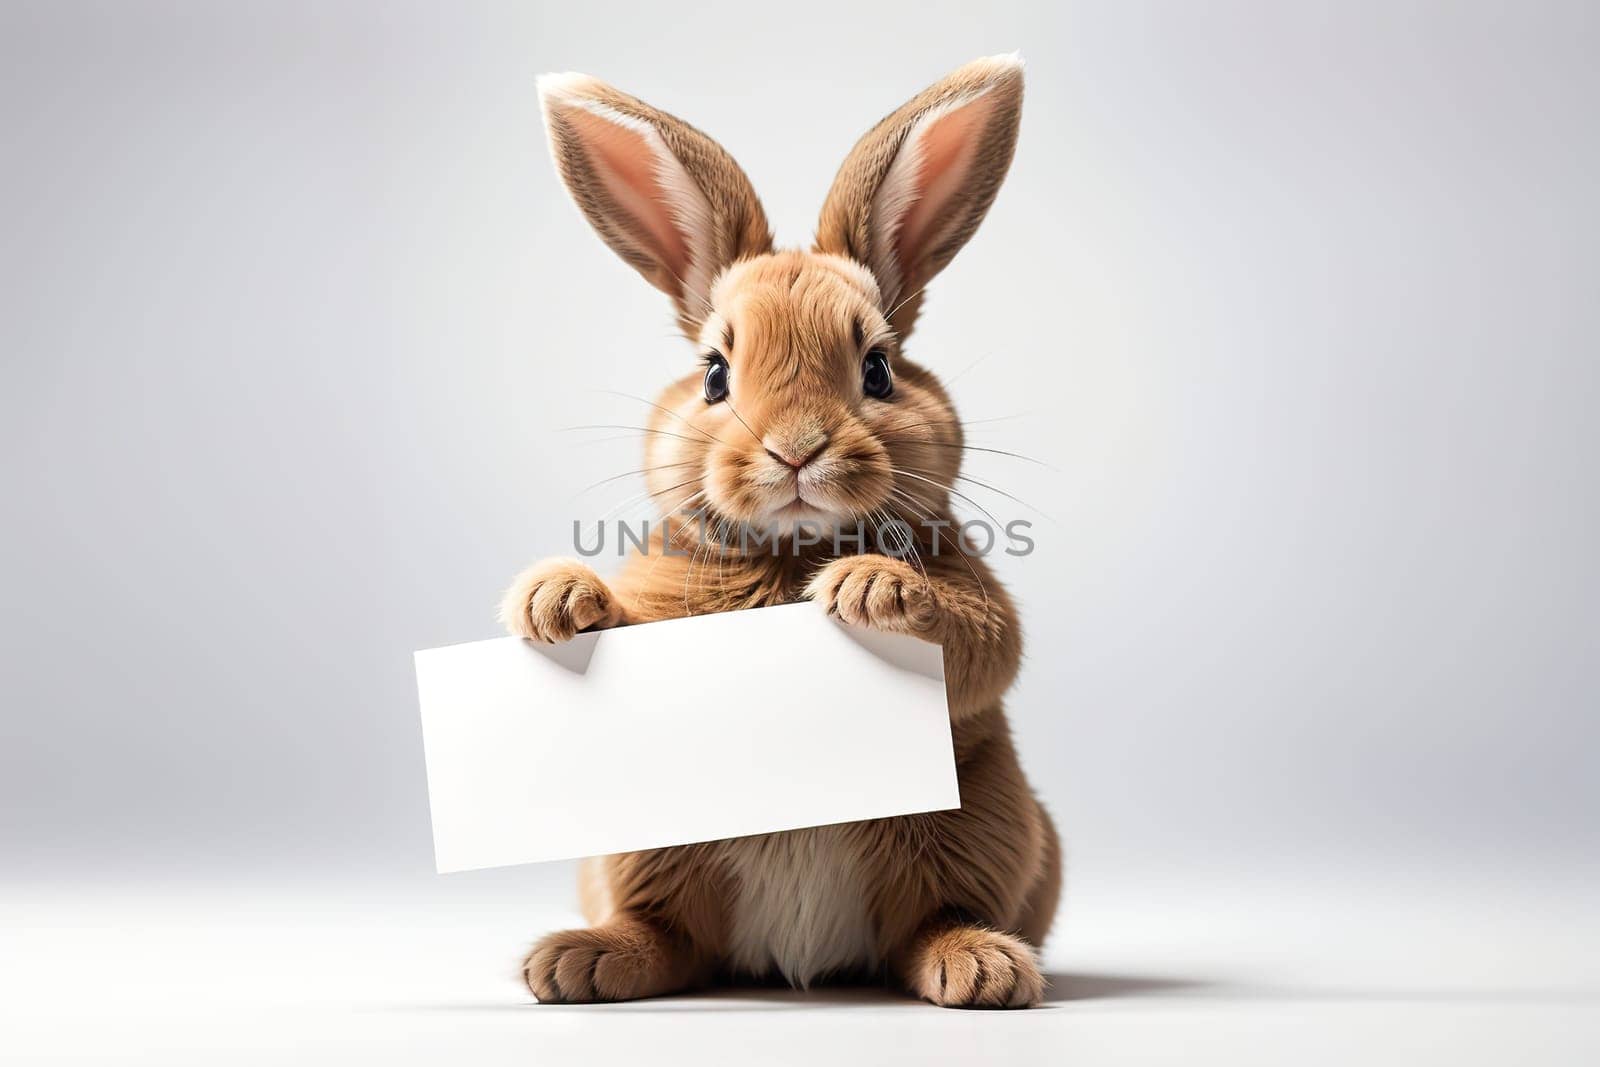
<point x="806" y="410"/>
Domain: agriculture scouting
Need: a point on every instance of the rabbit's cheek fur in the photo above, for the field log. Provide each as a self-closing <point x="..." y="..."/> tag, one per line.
<point x="800" y="906"/>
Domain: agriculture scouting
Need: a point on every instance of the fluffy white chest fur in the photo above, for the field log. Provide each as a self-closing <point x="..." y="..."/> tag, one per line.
<point x="800" y="906"/>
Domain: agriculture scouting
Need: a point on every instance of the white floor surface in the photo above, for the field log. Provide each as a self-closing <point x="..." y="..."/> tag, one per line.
<point x="1409" y="975"/>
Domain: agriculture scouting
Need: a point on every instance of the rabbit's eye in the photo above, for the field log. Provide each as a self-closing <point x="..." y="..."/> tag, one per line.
<point x="716" y="378"/>
<point x="876" y="381"/>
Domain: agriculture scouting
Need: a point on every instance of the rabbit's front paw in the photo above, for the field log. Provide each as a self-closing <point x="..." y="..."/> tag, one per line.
<point x="877" y="591"/>
<point x="551" y="601"/>
<point x="972" y="967"/>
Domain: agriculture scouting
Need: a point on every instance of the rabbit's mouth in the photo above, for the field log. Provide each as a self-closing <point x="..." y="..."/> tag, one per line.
<point x="820" y="485"/>
<point x="800" y="509"/>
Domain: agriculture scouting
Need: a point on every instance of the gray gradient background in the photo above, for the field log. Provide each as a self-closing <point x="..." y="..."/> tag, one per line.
<point x="1299" y="299"/>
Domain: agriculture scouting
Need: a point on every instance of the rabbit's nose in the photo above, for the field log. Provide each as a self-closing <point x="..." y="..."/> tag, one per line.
<point x="795" y="454"/>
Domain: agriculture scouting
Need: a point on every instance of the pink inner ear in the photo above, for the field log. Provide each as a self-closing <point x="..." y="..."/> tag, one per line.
<point x="946" y="148"/>
<point x="627" y="163"/>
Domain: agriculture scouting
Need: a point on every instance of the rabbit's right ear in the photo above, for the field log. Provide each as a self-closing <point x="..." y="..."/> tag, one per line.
<point x="914" y="189"/>
<point x="663" y="195"/>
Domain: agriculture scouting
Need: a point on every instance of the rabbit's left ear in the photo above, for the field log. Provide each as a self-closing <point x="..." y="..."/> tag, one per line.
<point x="666" y="198"/>
<point x="914" y="189"/>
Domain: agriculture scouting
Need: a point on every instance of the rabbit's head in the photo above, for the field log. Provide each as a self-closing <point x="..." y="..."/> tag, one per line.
<point x="801" y="405"/>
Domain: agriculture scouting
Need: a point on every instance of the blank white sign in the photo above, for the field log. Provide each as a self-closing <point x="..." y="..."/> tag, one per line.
<point x="694" y="729"/>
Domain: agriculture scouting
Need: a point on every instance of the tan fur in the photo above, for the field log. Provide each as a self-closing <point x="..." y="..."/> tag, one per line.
<point x="953" y="903"/>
